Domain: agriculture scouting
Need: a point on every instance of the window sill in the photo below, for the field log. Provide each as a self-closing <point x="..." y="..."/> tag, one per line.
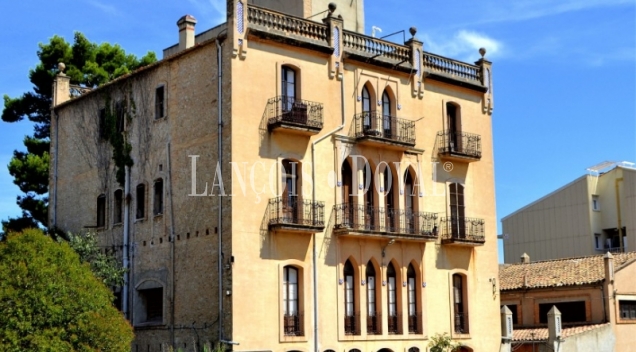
<point x="162" y="118"/>
<point x="139" y="220"/>
<point x="460" y="336"/>
<point x="626" y="321"/>
<point x="149" y="325"/>
<point x="118" y="224"/>
<point x="159" y="215"/>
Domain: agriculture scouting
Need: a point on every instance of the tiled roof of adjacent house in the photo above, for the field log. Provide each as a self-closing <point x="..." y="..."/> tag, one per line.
<point x="541" y="334"/>
<point x="558" y="272"/>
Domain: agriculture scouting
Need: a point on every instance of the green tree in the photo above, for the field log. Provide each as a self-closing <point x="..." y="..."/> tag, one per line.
<point x="443" y="343"/>
<point x="104" y="266"/>
<point x="87" y="64"/>
<point x="51" y="301"/>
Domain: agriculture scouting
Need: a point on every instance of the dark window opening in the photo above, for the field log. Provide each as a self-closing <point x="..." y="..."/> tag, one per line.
<point x="141" y="201"/>
<point x="102" y="124"/>
<point x="117" y="301"/>
<point x="414" y="323"/>
<point x="158" y="197"/>
<point x="152" y="300"/>
<point x="292" y="315"/>
<point x="513" y="309"/>
<point x="119" y="113"/>
<point x="627" y="309"/>
<point x="571" y="312"/>
<point x="118" y="208"/>
<point x="101" y="210"/>
<point x="351" y="321"/>
<point x="393" y="319"/>
<point x="159" y="102"/>
<point x="461" y="316"/>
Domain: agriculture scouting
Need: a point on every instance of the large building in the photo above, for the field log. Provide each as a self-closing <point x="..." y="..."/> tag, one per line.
<point x="595" y="296"/>
<point x="289" y="184"/>
<point x="585" y="217"/>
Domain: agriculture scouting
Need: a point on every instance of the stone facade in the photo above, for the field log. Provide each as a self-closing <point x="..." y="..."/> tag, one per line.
<point x="295" y="265"/>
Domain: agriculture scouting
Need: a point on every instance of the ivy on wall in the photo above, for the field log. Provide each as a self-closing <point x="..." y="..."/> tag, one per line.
<point x="116" y="117"/>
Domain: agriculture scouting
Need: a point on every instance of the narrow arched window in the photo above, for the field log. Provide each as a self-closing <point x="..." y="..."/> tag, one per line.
<point x="373" y="317"/>
<point x="366" y="109"/>
<point x="454" y="127"/>
<point x="158" y="197"/>
<point x="459" y="304"/>
<point x="292" y="315"/>
<point x="410" y="200"/>
<point x="388" y="122"/>
<point x="291" y="182"/>
<point x="141" y="201"/>
<point x="412" y="300"/>
<point x="101" y="210"/>
<point x="351" y="323"/>
<point x="118" y="206"/>
<point x="392" y="299"/>
<point x="370" y="219"/>
<point x="288" y="87"/>
<point x="457" y="210"/>
<point x="389" y="201"/>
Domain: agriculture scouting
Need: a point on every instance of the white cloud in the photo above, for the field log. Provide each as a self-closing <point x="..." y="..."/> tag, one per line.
<point x="108" y="9"/>
<point x="210" y="8"/>
<point x="464" y="45"/>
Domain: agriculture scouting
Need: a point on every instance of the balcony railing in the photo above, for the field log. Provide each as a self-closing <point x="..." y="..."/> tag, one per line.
<point x="395" y="324"/>
<point x="293" y="324"/>
<point x="450" y="67"/>
<point x="462" y="229"/>
<point x="374" y="324"/>
<point x="291" y="210"/>
<point x="391" y="222"/>
<point x="459" y="144"/>
<point x="352" y="324"/>
<point x="286" y="24"/>
<point x="375" y="126"/>
<point x="415" y="323"/>
<point x="461" y="323"/>
<point x="374" y="47"/>
<point x="288" y="112"/>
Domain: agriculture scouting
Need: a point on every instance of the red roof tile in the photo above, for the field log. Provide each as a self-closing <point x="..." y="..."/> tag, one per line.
<point x="541" y="334"/>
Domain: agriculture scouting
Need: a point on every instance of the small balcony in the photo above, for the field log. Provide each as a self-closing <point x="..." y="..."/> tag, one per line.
<point x="461" y="323"/>
<point x="294" y="115"/>
<point x="459" y="146"/>
<point x="374" y="324"/>
<point x="293" y="214"/>
<point x="395" y="324"/>
<point x="363" y="220"/>
<point x="352" y="324"/>
<point x="384" y="130"/>
<point x="293" y="324"/>
<point x="462" y="231"/>
<point x="415" y="323"/>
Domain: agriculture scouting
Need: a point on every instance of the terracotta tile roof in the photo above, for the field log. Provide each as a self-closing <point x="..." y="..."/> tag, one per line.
<point x="541" y="334"/>
<point x="558" y="272"/>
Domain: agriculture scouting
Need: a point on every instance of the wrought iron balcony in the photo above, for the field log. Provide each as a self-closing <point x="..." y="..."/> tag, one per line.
<point x="395" y="324"/>
<point x="461" y="323"/>
<point x="352" y="324"/>
<point x="293" y="324"/>
<point x="374" y="324"/>
<point x="462" y="231"/>
<point x="459" y="145"/>
<point x="300" y="116"/>
<point x="415" y="323"/>
<point x="364" y="220"/>
<point x="375" y="128"/>
<point x="290" y="213"/>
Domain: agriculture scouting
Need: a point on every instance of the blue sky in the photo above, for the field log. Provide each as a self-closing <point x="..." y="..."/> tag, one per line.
<point x="564" y="71"/>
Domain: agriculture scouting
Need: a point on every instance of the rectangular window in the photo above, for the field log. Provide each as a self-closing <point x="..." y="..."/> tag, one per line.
<point x="101" y="211"/>
<point x="152" y="301"/>
<point x="596" y="205"/>
<point x="158" y="198"/>
<point x="571" y="312"/>
<point x="141" y="201"/>
<point x="118" y="206"/>
<point x="102" y="124"/>
<point x="159" y="102"/>
<point x="627" y="309"/>
<point x="119" y="112"/>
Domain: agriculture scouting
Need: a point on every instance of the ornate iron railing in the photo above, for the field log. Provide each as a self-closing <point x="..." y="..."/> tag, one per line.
<point x="441" y="64"/>
<point x="374" y="324"/>
<point x="415" y="323"/>
<point x="286" y="24"/>
<point x="352" y="324"/>
<point x="284" y="109"/>
<point x="291" y="210"/>
<point x="411" y="223"/>
<point x="293" y="324"/>
<point x="459" y="143"/>
<point x="389" y="222"/>
<point x="394" y="324"/>
<point x="463" y="229"/>
<point x="359" y="217"/>
<point x="461" y="323"/>
<point x="374" y="124"/>
<point x="374" y="47"/>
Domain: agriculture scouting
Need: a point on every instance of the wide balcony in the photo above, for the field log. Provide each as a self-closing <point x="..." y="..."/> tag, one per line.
<point x="362" y="220"/>
<point x="294" y="115"/>
<point x="384" y="130"/>
<point x="293" y="214"/>
<point x="459" y="146"/>
<point x="462" y="231"/>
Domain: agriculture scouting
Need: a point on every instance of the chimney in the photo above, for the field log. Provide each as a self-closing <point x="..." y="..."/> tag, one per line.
<point x="608" y="260"/>
<point x="186" y="32"/>
<point x="525" y="258"/>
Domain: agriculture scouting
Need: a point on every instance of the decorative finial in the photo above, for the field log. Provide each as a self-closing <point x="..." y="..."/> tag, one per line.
<point x="413" y="30"/>
<point x="482" y="51"/>
<point x="61" y="67"/>
<point x="332" y="7"/>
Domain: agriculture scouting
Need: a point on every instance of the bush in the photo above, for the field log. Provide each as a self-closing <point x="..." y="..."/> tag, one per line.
<point x="50" y="301"/>
<point x="443" y="343"/>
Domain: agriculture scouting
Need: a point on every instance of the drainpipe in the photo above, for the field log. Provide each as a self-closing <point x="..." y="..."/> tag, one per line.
<point x="618" y="213"/>
<point x="125" y="240"/>
<point x="57" y="142"/>
<point x="220" y="161"/>
<point x="172" y="244"/>
<point x="313" y="196"/>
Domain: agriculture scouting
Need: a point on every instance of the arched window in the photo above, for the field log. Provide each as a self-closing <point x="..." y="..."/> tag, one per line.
<point x="141" y="201"/>
<point x="373" y="317"/>
<point x="118" y="206"/>
<point x="410" y="201"/>
<point x="292" y="315"/>
<point x="351" y="323"/>
<point x="346" y="211"/>
<point x="291" y="182"/>
<point x="459" y="304"/>
<point x="389" y="201"/>
<point x="370" y="219"/>
<point x="101" y="210"/>
<point x="366" y="110"/>
<point x="412" y="301"/>
<point x="288" y="87"/>
<point x="392" y="299"/>
<point x="414" y="349"/>
<point x="457" y="210"/>
<point x="454" y="127"/>
<point x="388" y="121"/>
